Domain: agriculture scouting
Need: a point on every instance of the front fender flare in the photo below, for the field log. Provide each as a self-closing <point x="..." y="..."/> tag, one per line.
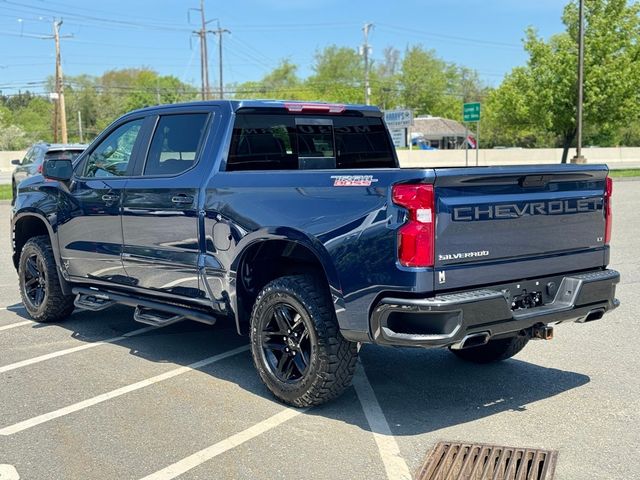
<point x="53" y="238"/>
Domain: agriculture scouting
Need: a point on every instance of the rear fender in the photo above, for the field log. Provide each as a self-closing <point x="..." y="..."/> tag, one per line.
<point x="298" y="238"/>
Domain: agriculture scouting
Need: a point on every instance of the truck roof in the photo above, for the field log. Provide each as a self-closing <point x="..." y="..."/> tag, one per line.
<point x="235" y="105"/>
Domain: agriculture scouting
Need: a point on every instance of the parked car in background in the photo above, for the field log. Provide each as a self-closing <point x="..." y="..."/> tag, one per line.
<point x="32" y="162"/>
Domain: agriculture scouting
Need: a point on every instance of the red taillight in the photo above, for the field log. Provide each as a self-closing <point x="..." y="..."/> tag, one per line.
<point x="608" y="214"/>
<point x="416" y="239"/>
<point x="315" y="107"/>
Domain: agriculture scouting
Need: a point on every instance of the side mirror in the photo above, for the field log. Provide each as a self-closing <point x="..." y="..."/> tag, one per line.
<point x="57" y="169"/>
<point x="17" y="161"/>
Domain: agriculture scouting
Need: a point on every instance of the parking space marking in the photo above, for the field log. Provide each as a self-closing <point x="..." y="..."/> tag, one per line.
<point x="8" y="472"/>
<point x="67" y="351"/>
<point x="16" y="307"/>
<point x="61" y="412"/>
<point x="198" y="458"/>
<point x="17" y="324"/>
<point x="394" y="464"/>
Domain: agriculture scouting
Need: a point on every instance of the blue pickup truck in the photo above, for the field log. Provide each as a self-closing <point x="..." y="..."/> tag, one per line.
<point x="294" y="221"/>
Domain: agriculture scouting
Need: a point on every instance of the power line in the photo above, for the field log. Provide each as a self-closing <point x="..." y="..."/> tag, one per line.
<point x="103" y="20"/>
<point x="291" y="26"/>
<point x="442" y="36"/>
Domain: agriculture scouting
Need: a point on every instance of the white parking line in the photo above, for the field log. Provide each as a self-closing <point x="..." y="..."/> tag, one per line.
<point x="8" y="472"/>
<point x="32" y="422"/>
<point x="67" y="351"/>
<point x="15" y="307"/>
<point x="394" y="464"/>
<point x="198" y="458"/>
<point x="14" y="325"/>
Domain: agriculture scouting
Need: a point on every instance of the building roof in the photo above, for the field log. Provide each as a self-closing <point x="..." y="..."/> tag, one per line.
<point x="438" y="127"/>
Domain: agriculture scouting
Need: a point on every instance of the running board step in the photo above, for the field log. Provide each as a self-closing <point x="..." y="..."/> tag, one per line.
<point x="156" y="318"/>
<point x="94" y="301"/>
<point x="150" y="310"/>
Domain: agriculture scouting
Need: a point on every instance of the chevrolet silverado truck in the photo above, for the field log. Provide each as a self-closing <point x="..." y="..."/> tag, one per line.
<point x="294" y="221"/>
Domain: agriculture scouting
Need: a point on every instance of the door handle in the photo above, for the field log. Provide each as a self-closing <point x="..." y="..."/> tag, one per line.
<point x="182" y="199"/>
<point x="109" y="197"/>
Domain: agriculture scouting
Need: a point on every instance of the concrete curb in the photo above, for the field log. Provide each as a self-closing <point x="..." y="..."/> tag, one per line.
<point x="625" y="179"/>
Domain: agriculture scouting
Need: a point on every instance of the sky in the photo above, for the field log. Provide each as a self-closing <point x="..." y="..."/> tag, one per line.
<point x="485" y="35"/>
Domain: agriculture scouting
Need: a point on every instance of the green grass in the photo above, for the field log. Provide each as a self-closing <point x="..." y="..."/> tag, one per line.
<point x="625" y="172"/>
<point x="5" y="192"/>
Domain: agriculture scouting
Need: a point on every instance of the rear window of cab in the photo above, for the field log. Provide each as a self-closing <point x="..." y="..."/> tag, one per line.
<point x="304" y="142"/>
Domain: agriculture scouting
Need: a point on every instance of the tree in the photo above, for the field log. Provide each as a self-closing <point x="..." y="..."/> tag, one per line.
<point x="281" y="83"/>
<point x="425" y="82"/>
<point x="435" y="87"/>
<point x="12" y="137"/>
<point x="385" y="89"/>
<point x="338" y="76"/>
<point x="541" y="96"/>
<point x="103" y="99"/>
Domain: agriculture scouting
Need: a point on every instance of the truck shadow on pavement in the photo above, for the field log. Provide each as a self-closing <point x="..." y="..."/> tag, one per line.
<point x="418" y="390"/>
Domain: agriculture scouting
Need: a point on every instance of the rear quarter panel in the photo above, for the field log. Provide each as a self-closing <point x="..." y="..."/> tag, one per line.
<point x="351" y="229"/>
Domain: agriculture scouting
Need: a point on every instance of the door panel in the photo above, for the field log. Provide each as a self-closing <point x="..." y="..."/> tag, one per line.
<point x="91" y="238"/>
<point x="161" y="237"/>
<point x="90" y="235"/>
<point x="159" y="210"/>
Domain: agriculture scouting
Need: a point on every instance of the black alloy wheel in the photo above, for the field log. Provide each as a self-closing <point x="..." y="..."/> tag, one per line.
<point x="296" y="344"/>
<point x="40" y="287"/>
<point x="35" y="281"/>
<point x="286" y="344"/>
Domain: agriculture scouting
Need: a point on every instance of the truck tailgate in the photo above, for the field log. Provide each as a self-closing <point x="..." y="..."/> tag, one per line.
<point x="497" y="224"/>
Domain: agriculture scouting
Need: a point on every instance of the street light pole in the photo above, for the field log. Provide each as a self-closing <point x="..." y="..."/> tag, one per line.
<point x="579" y="158"/>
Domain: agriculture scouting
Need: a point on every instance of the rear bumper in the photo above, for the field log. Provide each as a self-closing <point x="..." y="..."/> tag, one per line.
<point x="445" y="320"/>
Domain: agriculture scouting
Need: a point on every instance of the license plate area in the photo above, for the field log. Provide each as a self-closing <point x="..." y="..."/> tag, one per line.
<point x="527" y="300"/>
<point x="532" y="293"/>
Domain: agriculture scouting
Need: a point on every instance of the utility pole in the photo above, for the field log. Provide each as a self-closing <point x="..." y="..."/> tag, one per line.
<point x="80" y="127"/>
<point x="59" y="83"/>
<point x="365" y="53"/>
<point x="579" y="158"/>
<point x="220" y="32"/>
<point x="204" y="55"/>
<point x="59" y="115"/>
<point x="60" y="118"/>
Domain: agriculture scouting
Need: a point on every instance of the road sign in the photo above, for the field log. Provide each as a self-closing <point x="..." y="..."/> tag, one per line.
<point x="398" y="118"/>
<point x="471" y="112"/>
<point x="399" y="137"/>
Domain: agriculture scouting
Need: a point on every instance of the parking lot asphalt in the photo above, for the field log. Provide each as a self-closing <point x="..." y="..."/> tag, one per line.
<point x="103" y="397"/>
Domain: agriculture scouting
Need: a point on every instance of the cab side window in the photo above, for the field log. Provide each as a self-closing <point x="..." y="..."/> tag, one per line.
<point x="175" y="144"/>
<point x="112" y="156"/>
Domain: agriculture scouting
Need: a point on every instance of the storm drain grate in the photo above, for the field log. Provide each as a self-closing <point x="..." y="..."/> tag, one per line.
<point x="477" y="461"/>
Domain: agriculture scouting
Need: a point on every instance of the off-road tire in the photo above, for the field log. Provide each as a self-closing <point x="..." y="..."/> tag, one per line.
<point x="494" y="350"/>
<point x="332" y="361"/>
<point x="55" y="306"/>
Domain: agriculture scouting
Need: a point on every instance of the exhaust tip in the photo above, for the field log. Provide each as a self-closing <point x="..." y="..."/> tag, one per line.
<point x="472" y="340"/>
<point x="595" y="315"/>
